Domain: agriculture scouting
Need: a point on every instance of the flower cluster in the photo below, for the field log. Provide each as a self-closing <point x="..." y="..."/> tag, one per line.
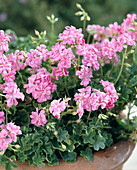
<point x="72" y="36"/>
<point x="57" y="106"/>
<point x="114" y="38"/>
<point x="59" y="85"/>
<point x="8" y="134"/>
<point x="40" y="85"/>
<point x="38" y="119"/>
<point x="91" y="99"/>
<point x="4" y="41"/>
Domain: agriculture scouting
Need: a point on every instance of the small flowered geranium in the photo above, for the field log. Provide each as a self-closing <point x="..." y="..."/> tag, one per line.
<point x="38" y="119"/>
<point x="63" y="99"/>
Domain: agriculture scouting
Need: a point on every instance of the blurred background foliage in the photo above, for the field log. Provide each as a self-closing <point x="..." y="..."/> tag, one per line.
<point x="23" y="16"/>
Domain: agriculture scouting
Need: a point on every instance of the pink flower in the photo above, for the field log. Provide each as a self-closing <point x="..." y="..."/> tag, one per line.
<point x="91" y="101"/>
<point x="56" y="72"/>
<point x="85" y="73"/>
<point x="57" y="107"/>
<point x="97" y="30"/>
<point x="40" y="85"/>
<point x="34" y="59"/>
<point x="13" y="93"/>
<point x="4" y="141"/>
<point x="2" y="117"/>
<point x="8" y="134"/>
<point x="10" y="76"/>
<point x="72" y="36"/>
<point x="43" y="52"/>
<point x="89" y="53"/>
<point x="14" y="130"/>
<point x="38" y="119"/>
<point x="108" y="49"/>
<point x="5" y="65"/>
<point x="63" y="57"/>
<point x="4" y="41"/>
<point x="17" y="60"/>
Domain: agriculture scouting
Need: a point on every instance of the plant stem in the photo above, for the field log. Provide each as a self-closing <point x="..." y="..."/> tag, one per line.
<point x="2" y="95"/>
<point x="78" y="59"/>
<point x="57" y="93"/>
<point x="21" y="77"/>
<point x="6" y="117"/>
<point x="111" y="68"/>
<point x="101" y="69"/>
<point x="97" y="122"/>
<point x="84" y="25"/>
<point x="52" y="28"/>
<point x="122" y="64"/>
<point x="66" y="87"/>
<point x="129" y="110"/>
<point x="88" y="39"/>
<point x="88" y="116"/>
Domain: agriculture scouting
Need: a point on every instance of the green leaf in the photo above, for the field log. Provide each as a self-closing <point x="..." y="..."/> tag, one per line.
<point x="38" y="158"/>
<point x="41" y="164"/>
<point x="14" y="164"/>
<point x="135" y="55"/>
<point x="135" y="102"/>
<point x="89" y="138"/>
<point x="133" y="81"/>
<point x="52" y="160"/>
<point x="48" y="149"/>
<point x="62" y="135"/>
<point x="87" y="154"/>
<point x="99" y="143"/>
<point x="8" y="167"/>
<point x="69" y="156"/>
<point x="22" y="157"/>
<point x="34" y="138"/>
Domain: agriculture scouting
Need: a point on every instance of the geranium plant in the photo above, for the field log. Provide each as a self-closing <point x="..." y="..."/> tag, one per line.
<point x="65" y="98"/>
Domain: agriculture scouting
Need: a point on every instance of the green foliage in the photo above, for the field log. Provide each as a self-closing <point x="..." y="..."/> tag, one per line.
<point x="70" y="136"/>
<point x="87" y="154"/>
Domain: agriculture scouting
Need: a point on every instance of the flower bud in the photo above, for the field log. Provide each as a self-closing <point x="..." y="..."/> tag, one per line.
<point x="88" y="18"/>
<point x="79" y="13"/>
<point x="52" y="16"/>
<point x="131" y="29"/>
<point x="56" y="19"/>
<point x="17" y="146"/>
<point x="82" y="18"/>
<point x="74" y="113"/>
<point x="127" y="65"/>
<point x="132" y="51"/>
<point x="44" y="32"/>
<point x="36" y="32"/>
<point x="135" y="24"/>
<point x="2" y="152"/>
<point x="78" y="6"/>
<point x="63" y="146"/>
<point x="48" y="18"/>
<point x="55" y="133"/>
<point x="78" y="121"/>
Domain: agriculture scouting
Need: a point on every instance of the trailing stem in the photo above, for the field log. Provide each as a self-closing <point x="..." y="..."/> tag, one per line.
<point x="88" y="39"/>
<point x="122" y="64"/>
<point x="129" y="110"/>
<point x="84" y="24"/>
<point x="21" y="77"/>
<point x="88" y="116"/>
<point x="66" y="87"/>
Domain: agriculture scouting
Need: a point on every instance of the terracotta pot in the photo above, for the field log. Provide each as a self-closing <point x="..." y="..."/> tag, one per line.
<point x="112" y="158"/>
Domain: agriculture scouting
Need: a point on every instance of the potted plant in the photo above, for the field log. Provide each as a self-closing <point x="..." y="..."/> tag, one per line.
<point x="64" y="99"/>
